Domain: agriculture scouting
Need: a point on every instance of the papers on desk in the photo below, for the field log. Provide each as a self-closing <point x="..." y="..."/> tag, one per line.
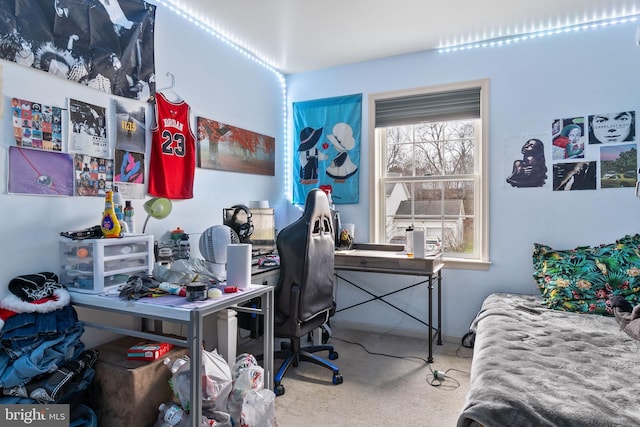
<point x="170" y="300"/>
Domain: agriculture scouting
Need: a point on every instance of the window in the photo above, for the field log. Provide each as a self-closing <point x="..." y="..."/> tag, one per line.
<point x="429" y="168"/>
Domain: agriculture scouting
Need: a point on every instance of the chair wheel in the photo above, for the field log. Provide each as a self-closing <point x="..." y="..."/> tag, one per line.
<point x="279" y="389"/>
<point x="333" y="355"/>
<point x="337" y="379"/>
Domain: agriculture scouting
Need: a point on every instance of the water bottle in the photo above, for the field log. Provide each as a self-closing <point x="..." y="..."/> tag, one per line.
<point x="408" y="244"/>
<point x="175" y="365"/>
<point x="172" y="414"/>
<point x="128" y="216"/>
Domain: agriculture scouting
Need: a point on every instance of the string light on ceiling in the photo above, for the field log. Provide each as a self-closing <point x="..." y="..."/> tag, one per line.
<point x="507" y="40"/>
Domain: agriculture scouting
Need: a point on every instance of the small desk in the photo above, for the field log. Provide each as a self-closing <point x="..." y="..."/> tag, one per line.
<point x="389" y="259"/>
<point x="175" y="309"/>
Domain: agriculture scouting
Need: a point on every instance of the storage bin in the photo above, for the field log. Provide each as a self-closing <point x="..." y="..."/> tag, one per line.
<point x="95" y="265"/>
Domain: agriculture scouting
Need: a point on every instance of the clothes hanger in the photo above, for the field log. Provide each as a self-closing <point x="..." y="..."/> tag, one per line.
<point x="169" y="88"/>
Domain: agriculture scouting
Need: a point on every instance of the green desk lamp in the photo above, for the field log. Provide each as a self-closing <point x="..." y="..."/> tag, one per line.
<point x="158" y="208"/>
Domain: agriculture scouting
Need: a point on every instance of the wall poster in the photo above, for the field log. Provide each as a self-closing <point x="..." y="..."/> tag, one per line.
<point x="88" y="129"/>
<point x="94" y="175"/>
<point x="130" y="134"/>
<point x="37" y="125"/>
<point x="229" y="148"/>
<point x="326" y="147"/>
<point x="40" y="172"/>
<point x="104" y="44"/>
<point x="586" y="152"/>
<point x="526" y="164"/>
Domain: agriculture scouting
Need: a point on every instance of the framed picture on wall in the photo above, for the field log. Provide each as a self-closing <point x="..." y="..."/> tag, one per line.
<point x="229" y="148"/>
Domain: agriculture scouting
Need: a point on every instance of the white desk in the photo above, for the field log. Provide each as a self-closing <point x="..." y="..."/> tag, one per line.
<point x="176" y="309"/>
<point x="389" y="259"/>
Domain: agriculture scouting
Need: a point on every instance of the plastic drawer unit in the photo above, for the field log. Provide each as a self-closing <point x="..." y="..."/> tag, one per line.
<point x="95" y="265"/>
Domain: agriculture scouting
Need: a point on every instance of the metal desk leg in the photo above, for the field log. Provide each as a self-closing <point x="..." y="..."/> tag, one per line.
<point x="195" y="347"/>
<point x="430" y="309"/>
<point x="268" y="337"/>
<point x="440" y="307"/>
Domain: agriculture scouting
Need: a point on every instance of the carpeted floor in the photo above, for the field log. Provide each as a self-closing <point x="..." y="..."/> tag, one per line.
<point x="394" y="387"/>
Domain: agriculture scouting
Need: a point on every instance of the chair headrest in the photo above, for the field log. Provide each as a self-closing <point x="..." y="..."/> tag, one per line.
<point x="316" y="204"/>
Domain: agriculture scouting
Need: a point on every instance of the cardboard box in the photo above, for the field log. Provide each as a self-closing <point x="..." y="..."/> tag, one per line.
<point x="148" y="350"/>
<point x="128" y="392"/>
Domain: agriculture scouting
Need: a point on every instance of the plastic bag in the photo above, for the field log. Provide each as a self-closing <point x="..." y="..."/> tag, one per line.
<point x="178" y="274"/>
<point x="258" y="409"/>
<point x="216" y="382"/>
<point x="247" y="375"/>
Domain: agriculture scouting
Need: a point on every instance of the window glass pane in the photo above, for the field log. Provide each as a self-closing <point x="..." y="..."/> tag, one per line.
<point x="431" y="149"/>
<point x="431" y="169"/>
<point x="444" y="208"/>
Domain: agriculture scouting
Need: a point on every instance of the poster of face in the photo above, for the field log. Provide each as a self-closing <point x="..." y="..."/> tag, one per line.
<point x="526" y="164"/>
<point x="36" y="125"/>
<point x="104" y="44"/>
<point x="612" y="128"/>
<point x="88" y="129"/>
<point x="568" y="140"/>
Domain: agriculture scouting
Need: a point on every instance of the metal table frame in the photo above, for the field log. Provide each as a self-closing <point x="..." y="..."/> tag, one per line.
<point x="191" y="315"/>
<point x="388" y="259"/>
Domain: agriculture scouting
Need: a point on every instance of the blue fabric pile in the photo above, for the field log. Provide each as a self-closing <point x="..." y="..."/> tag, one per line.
<point x="42" y="357"/>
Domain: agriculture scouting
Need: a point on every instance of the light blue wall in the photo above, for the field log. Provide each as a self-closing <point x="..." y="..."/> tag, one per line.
<point x="212" y="77"/>
<point x="531" y="84"/>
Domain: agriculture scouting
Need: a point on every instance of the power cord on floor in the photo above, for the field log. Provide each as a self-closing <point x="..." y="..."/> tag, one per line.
<point x="435" y="378"/>
<point x="380" y="354"/>
<point x="443" y="379"/>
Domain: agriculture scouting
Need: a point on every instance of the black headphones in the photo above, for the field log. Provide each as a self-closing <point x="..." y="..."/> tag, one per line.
<point x="243" y="230"/>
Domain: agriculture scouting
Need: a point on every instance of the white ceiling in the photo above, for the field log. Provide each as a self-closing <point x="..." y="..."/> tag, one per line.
<point x="302" y="35"/>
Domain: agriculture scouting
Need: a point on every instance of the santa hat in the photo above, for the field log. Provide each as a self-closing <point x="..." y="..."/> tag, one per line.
<point x="33" y="293"/>
<point x="34" y="287"/>
<point x="58" y="300"/>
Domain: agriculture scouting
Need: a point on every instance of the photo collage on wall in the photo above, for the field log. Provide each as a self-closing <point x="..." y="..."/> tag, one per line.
<point x="596" y="151"/>
<point x="37" y="125"/>
<point x="88" y="141"/>
<point x="89" y="164"/>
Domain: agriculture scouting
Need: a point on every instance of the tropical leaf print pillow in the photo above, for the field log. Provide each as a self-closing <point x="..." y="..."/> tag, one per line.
<point x="583" y="279"/>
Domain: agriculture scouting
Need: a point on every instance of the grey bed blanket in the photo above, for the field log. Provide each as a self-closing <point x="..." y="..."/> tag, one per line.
<point x="533" y="366"/>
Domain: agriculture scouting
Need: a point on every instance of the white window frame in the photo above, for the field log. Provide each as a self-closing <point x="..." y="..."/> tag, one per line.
<point x="480" y="260"/>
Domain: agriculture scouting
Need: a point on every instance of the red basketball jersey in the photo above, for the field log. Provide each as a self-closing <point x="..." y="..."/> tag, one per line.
<point x="173" y="151"/>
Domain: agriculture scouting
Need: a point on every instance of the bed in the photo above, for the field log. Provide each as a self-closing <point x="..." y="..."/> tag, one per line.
<point x="567" y="356"/>
<point x="535" y="366"/>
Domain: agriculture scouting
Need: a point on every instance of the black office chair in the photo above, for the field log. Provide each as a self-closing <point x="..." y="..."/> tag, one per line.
<point x="304" y="297"/>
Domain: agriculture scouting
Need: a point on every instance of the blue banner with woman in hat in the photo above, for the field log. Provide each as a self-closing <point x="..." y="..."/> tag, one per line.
<point x="326" y="147"/>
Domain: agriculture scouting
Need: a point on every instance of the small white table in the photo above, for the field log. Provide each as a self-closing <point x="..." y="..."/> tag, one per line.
<point x="178" y="310"/>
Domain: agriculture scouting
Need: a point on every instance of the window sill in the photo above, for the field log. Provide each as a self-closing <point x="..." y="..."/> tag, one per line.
<point x="466" y="264"/>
